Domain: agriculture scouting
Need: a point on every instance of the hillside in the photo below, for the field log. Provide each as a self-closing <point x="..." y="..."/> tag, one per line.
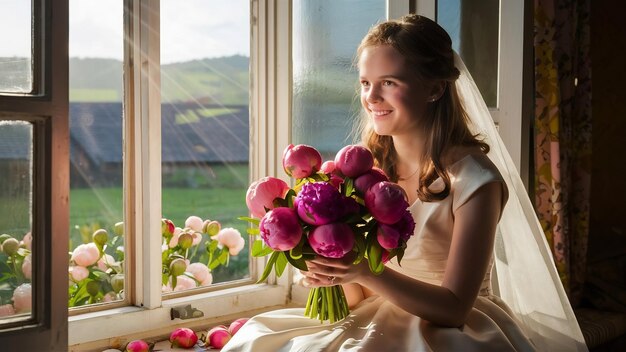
<point x="223" y="79"/>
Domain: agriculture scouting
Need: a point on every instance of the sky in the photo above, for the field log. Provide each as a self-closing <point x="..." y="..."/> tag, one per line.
<point x="190" y="29"/>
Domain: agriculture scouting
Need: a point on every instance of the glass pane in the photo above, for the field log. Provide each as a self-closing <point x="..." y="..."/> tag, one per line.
<point x="326" y="34"/>
<point x="473" y="26"/>
<point x="16" y="70"/>
<point x="16" y="186"/>
<point x="96" y="204"/>
<point x="204" y="114"/>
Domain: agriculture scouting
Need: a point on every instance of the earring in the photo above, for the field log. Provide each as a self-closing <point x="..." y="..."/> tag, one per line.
<point x="431" y="100"/>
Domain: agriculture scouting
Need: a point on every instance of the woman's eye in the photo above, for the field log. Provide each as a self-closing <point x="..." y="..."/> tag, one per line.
<point x="387" y="83"/>
<point x="365" y="83"/>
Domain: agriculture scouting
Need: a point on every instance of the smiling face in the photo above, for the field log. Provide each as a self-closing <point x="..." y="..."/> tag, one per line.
<point x="392" y="95"/>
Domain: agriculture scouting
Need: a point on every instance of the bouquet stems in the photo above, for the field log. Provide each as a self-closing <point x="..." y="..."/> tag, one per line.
<point x="327" y="303"/>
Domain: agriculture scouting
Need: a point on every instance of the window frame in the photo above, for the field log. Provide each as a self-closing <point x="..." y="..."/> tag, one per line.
<point x="46" y="107"/>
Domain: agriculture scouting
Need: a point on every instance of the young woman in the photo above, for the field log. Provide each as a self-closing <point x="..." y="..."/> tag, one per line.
<point x="440" y="299"/>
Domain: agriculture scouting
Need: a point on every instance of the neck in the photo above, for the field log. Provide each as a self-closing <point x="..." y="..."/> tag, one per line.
<point x="409" y="148"/>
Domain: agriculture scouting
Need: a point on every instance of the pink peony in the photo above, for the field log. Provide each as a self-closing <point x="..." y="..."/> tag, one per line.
<point x="332" y="240"/>
<point x="106" y="261"/>
<point x="386" y="201"/>
<point x="28" y="240"/>
<point x="301" y="161"/>
<point x="6" y="310"/>
<point x="208" y="281"/>
<point x="27" y="267"/>
<point x="328" y="167"/>
<point x="320" y="203"/>
<point x="368" y="179"/>
<point x="280" y="229"/>
<point x="183" y="337"/>
<point x="184" y="283"/>
<point x="109" y="297"/>
<point x="22" y="298"/>
<point x="137" y="346"/>
<point x="231" y="238"/>
<point x="86" y="254"/>
<point x="354" y="160"/>
<point x="218" y="337"/>
<point x="78" y="273"/>
<point x="199" y="271"/>
<point x="262" y="193"/>
<point x="236" y="325"/>
<point x="194" y="222"/>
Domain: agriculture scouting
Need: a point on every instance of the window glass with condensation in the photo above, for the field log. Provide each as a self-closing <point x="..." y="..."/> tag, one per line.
<point x="16" y="46"/>
<point x="326" y="34"/>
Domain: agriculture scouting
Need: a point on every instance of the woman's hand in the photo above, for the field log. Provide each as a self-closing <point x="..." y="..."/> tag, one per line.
<point x="329" y="272"/>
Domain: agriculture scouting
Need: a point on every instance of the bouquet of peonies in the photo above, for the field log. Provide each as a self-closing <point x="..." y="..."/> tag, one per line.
<point x="335" y="208"/>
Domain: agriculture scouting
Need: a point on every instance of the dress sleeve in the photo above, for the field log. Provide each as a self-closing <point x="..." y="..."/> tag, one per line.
<point x="471" y="176"/>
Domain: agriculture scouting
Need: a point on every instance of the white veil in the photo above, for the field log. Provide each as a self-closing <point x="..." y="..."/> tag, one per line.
<point x="525" y="274"/>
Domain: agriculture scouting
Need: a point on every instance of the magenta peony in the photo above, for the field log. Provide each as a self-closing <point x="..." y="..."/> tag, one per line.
<point x="262" y="193"/>
<point x="332" y="240"/>
<point x="354" y="160"/>
<point x="328" y="167"/>
<point x="389" y="236"/>
<point x="320" y="203"/>
<point x="183" y="338"/>
<point x="301" y="161"/>
<point x="386" y="202"/>
<point x="368" y="179"/>
<point x="280" y="229"/>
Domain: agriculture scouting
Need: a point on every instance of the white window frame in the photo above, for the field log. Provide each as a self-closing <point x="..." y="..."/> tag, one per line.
<point x="270" y="106"/>
<point x="508" y="116"/>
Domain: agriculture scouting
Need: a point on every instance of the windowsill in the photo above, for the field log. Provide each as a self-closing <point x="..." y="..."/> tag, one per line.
<point x="117" y="326"/>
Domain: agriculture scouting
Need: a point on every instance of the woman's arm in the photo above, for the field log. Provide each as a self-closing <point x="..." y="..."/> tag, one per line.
<point x="470" y="252"/>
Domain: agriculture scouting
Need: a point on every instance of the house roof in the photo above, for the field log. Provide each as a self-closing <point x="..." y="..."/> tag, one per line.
<point x="15" y="140"/>
<point x="190" y="132"/>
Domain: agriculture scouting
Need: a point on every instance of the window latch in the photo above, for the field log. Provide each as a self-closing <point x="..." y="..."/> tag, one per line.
<point x="185" y="312"/>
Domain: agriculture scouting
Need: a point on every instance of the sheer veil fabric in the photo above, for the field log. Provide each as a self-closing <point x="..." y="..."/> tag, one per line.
<point x="524" y="274"/>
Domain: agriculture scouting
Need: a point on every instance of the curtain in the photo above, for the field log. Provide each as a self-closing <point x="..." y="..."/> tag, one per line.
<point x="562" y="134"/>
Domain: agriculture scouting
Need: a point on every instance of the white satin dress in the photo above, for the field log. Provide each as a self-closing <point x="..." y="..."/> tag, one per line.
<point x="378" y="325"/>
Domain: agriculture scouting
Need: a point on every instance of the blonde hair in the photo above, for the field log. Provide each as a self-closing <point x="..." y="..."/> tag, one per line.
<point x="427" y="49"/>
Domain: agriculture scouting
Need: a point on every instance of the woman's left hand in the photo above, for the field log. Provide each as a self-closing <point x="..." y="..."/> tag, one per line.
<point x="330" y="272"/>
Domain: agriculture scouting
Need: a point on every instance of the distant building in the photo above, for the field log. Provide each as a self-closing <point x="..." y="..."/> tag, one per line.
<point x="192" y="136"/>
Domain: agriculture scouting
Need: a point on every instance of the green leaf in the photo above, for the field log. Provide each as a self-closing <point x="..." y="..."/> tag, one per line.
<point x="289" y="197"/>
<point x="268" y="267"/>
<point x="281" y="263"/>
<point x="348" y="186"/>
<point x="259" y="249"/>
<point x="374" y="257"/>
<point x="253" y="221"/>
<point x="253" y="231"/>
<point x="299" y="263"/>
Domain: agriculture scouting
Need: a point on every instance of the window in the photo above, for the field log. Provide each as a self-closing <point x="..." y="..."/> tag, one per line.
<point x="185" y="152"/>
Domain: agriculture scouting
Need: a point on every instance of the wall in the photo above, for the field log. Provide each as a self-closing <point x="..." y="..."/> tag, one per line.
<point x="608" y="55"/>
